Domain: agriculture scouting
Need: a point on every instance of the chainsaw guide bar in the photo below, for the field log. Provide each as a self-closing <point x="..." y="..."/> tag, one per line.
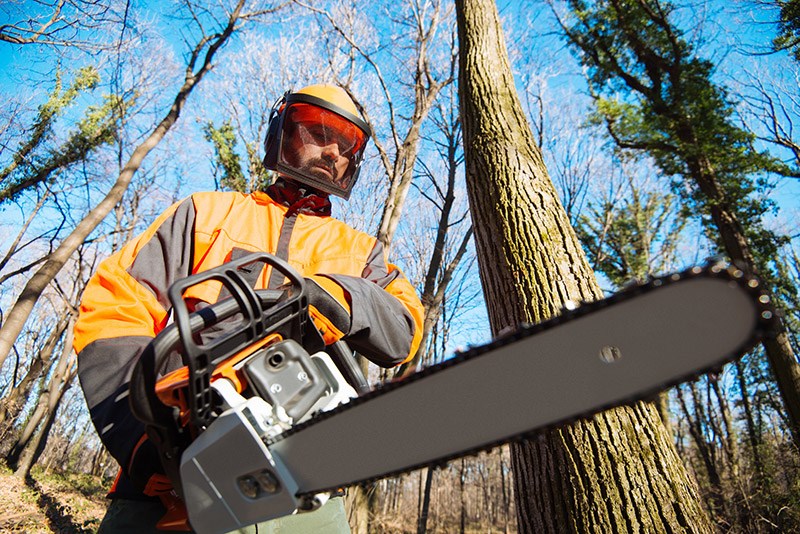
<point x="599" y="355"/>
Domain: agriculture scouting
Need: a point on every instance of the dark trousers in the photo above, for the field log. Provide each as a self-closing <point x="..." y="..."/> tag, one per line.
<point x="140" y="517"/>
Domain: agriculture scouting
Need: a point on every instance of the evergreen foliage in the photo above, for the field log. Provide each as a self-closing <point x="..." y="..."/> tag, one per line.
<point x="655" y="94"/>
<point x="789" y="24"/>
<point x="228" y="161"/>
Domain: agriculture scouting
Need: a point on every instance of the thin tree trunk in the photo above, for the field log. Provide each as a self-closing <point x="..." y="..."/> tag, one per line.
<point x="358" y="500"/>
<point x="695" y="423"/>
<point x="684" y="141"/>
<point x="462" y="474"/>
<point x="786" y="371"/>
<point x="400" y="169"/>
<point x="778" y="349"/>
<point x="577" y="478"/>
<point x="28" y="449"/>
<point x="730" y="435"/>
<point x="426" y="89"/>
<point x="752" y="435"/>
<point x="33" y="450"/>
<point x="12" y="249"/>
<point x="422" y="521"/>
<point x="506" y="499"/>
<point x="433" y="299"/>
<point x="19" y="313"/>
<point x="12" y="404"/>
<point x="96" y="460"/>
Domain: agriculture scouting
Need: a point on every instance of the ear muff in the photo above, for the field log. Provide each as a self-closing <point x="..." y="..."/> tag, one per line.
<point x="272" y="140"/>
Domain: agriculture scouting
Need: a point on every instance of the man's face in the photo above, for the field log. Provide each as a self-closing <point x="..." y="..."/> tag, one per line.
<point x="321" y="152"/>
<point x="319" y="146"/>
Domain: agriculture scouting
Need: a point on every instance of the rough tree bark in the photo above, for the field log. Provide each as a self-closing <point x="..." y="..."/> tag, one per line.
<point x="618" y="472"/>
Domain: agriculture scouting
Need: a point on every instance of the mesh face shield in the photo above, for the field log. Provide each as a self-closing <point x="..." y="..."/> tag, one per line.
<point x="320" y="147"/>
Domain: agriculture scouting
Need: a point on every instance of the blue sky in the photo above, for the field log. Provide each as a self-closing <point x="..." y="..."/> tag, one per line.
<point x="718" y="20"/>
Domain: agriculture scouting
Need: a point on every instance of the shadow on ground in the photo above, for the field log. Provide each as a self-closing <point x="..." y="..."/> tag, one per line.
<point x="58" y="517"/>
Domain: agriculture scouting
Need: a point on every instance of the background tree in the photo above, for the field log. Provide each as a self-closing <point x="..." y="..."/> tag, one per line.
<point x="789" y="24"/>
<point x="573" y="478"/>
<point x="60" y="23"/>
<point x="632" y="231"/>
<point x="228" y="172"/>
<point x="446" y="251"/>
<point x="422" y="76"/>
<point x="199" y="63"/>
<point x="772" y="109"/>
<point x="661" y="100"/>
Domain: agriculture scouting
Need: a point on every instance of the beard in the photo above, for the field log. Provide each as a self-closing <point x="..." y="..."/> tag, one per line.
<point x="318" y="166"/>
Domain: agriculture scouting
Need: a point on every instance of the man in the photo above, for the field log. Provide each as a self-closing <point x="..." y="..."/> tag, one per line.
<point x="315" y="143"/>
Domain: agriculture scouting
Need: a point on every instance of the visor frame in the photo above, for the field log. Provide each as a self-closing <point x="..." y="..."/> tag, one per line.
<point x="292" y="172"/>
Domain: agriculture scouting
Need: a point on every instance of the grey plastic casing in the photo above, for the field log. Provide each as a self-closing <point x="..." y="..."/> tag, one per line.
<point x="215" y="465"/>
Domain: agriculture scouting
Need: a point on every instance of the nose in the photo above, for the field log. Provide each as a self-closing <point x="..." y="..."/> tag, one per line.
<point x="330" y="151"/>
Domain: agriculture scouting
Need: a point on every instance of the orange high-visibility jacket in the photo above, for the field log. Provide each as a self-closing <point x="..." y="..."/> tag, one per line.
<point x="125" y="303"/>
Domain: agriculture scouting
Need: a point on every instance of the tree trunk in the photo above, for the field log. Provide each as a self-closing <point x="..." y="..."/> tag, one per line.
<point x="426" y="89"/>
<point x="705" y="450"/>
<point x="19" y="313"/>
<point x="780" y="354"/>
<point x="730" y="435"/>
<point x="361" y="501"/>
<point x="462" y="474"/>
<point x="33" y="450"/>
<point x="12" y="404"/>
<point x="422" y="520"/>
<point x="28" y="449"/>
<point x="578" y="478"/>
<point x="752" y="434"/>
<point x="686" y="128"/>
<point x="504" y="488"/>
<point x="786" y="370"/>
<point x="439" y="275"/>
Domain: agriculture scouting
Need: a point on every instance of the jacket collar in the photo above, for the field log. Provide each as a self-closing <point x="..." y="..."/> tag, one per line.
<point x="299" y="198"/>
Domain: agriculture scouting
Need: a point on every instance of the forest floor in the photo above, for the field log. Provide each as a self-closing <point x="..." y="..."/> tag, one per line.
<point x="46" y="503"/>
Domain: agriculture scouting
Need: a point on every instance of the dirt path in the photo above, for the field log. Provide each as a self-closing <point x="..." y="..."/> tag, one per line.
<point x="66" y="504"/>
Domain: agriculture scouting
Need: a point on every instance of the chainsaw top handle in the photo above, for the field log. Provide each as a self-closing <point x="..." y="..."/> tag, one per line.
<point x="262" y="313"/>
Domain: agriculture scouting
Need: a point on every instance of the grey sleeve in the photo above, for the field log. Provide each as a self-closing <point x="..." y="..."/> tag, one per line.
<point x="382" y="329"/>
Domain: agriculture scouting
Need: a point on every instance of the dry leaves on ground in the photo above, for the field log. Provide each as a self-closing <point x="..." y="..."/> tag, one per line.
<point x="66" y="504"/>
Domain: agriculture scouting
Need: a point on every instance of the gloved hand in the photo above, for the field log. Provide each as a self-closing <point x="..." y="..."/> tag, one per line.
<point x="145" y="469"/>
<point x="329" y="307"/>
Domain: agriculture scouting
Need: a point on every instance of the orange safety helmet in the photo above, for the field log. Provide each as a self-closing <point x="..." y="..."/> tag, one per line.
<point x="317" y="137"/>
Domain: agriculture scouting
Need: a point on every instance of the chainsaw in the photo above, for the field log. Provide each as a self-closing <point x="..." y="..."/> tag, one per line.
<point x="257" y="420"/>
